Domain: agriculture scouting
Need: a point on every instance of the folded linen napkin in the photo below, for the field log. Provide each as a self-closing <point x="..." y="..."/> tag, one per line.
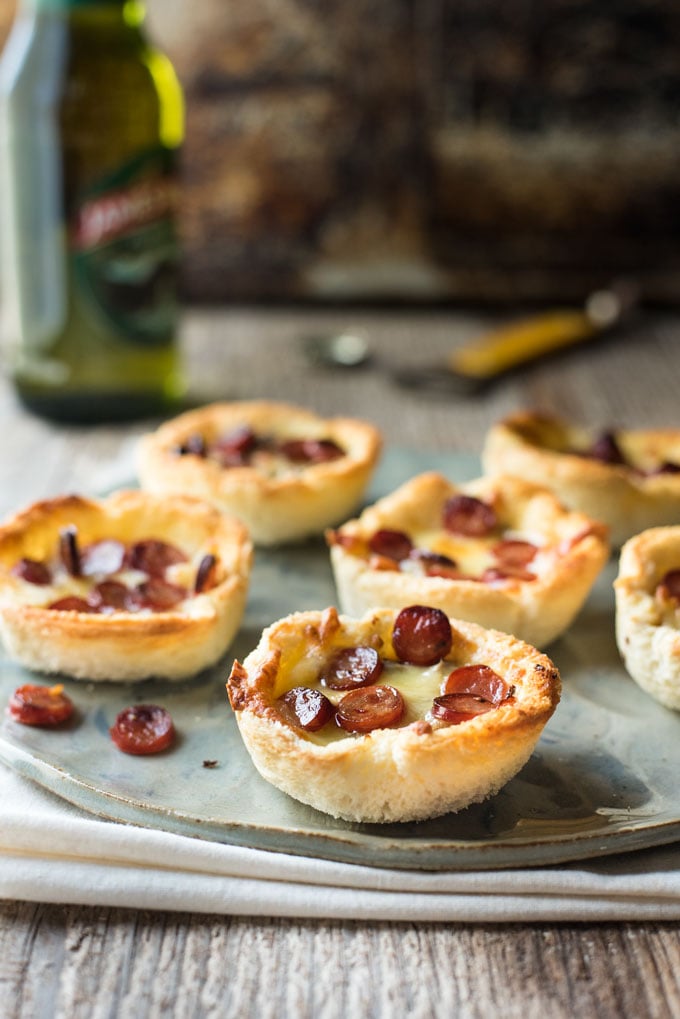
<point x="53" y="852"/>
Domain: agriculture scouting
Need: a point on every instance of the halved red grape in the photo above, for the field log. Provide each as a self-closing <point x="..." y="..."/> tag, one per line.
<point x="68" y="549"/>
<point x="158" y="595"/>
<point x="436" y="565"/>
<point x="206" y="574"/>
<point x="669" y="586"/>
<point x="143" y="729"/>
<point x="32" y="571"/>
<point x="40" y="705"/>
<point x="464" y="514"/>
<point x="324" y="450"/>
<point x="370" y="707"/>
<point x="153" y="556"/>
<point x="454" y="708"/>
<point x="352" y="667"/>
<point x="234" y="448"/>
<point x="311" y="451"/>
<point x="306" y="708"/>
<point x="109" y="596"/>
<point x="513" y="552"/>
<point x="478" y="680"/>
<point x="294" y="450"/>
<point x="606" y="448"/>
<point x="102" y="557"/>
<point x="393" y="544"/>
<point x="421" y="635"/>
<point x="71" y="603"/>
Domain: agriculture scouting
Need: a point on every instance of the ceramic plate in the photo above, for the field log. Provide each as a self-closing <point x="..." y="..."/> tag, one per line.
<point x="603" y="778"/>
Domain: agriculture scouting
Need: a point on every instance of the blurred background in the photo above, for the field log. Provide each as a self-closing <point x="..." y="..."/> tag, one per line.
<point x="425" y="150"/>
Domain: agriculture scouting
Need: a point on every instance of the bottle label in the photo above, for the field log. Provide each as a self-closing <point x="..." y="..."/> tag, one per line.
<point x="124" y="248"/>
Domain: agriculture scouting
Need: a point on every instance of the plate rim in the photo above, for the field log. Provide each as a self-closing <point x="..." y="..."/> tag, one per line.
<point x="352" y="844"/>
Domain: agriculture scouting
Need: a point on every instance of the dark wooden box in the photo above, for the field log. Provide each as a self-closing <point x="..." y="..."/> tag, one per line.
<point x="427" y="149"/>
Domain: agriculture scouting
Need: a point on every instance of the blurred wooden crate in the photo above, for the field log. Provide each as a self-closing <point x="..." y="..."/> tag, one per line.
<point x="427" y="149"/>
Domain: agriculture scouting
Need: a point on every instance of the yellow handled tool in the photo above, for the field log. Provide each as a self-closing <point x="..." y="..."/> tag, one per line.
<point x="512" y="345"/>
<point x="470" y="367"/>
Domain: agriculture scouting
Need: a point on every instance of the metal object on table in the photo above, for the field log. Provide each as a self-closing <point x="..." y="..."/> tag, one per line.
<point x="344" y="350"/>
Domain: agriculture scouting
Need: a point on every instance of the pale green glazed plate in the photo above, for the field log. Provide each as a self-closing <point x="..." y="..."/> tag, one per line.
<point x="603" y="778"/>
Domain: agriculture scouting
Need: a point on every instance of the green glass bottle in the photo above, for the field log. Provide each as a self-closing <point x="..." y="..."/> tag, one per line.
<point x="91" y="119"/>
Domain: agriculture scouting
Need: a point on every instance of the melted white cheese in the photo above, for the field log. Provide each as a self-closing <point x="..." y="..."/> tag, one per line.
<point x="417" y="685"/>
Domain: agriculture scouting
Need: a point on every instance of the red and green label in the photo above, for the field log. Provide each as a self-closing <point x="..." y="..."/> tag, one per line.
<point x="124" y="248"/>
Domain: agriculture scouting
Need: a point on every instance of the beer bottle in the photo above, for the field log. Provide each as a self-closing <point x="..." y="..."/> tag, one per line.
<point x="91" y="118"/>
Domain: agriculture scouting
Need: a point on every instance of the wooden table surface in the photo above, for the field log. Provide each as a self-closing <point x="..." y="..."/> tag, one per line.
<point x="72" y="962"/>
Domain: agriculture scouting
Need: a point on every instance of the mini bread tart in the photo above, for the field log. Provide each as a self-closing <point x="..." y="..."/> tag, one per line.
<point x="647" y="592"/>
<point x="282" y="470"/>
<point x="497" y="551"/>
<point x="425" y="760"/>
<point x="125" y="588"/>
<point x="629" y="480"/>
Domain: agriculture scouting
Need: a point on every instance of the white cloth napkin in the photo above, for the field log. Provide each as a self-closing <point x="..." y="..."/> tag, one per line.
<point x="51" y="851"/>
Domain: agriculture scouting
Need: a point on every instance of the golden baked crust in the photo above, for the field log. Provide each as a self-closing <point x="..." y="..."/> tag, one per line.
<point x="572" y="551"/>
<point x="648" y="624"/>
<point x="628" y="498"/>
<point x="277" y="501"/>
<point x="122" y="645"/>
<point x="410" y="772"/>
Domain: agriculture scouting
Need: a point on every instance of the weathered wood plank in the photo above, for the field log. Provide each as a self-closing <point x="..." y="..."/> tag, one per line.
<point x="121" y="963"/>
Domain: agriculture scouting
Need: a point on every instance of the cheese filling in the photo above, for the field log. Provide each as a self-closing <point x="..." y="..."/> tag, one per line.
<point x="474" y="556"/>
<point x="65" y="585"/>
<point x="417" y="685"/>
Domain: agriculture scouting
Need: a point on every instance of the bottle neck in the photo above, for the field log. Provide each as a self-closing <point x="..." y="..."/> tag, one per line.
<point x="51" y="5"/>
<point x="81" y="5"/>
<point x="128" y="14"/>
